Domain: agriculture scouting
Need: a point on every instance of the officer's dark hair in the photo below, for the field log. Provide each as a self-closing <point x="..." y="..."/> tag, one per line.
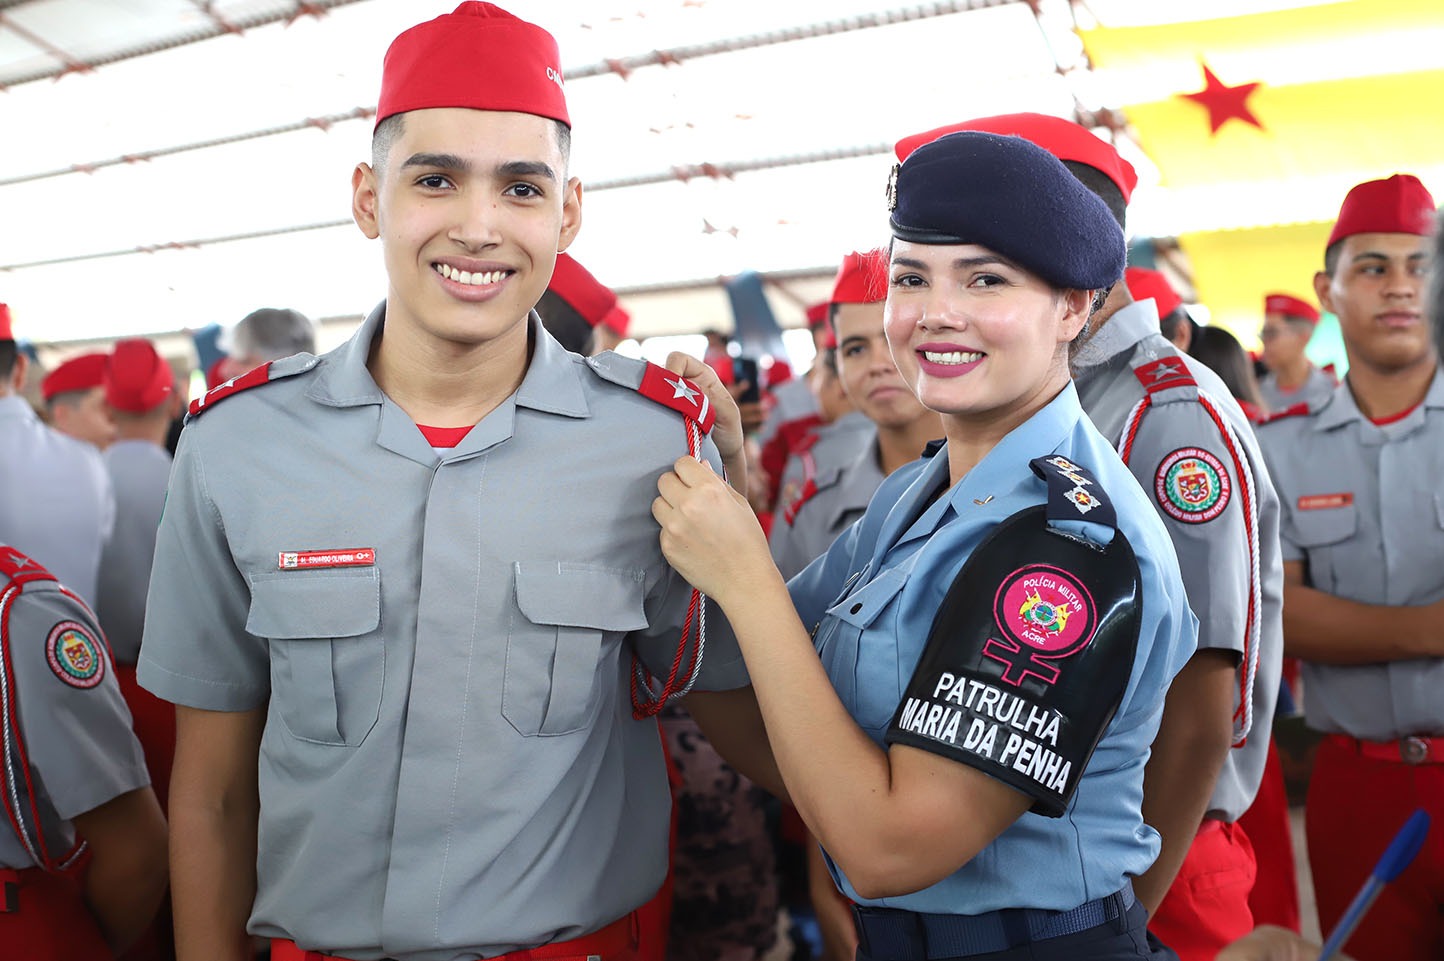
<point x="8" y="352"/>
<point x="1102" y="185"/>
<point x="563" y="322"/>
<point x="389" y="131"/>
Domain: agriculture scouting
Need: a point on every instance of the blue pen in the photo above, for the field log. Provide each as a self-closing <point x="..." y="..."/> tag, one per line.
<point x="1396" y="858"/>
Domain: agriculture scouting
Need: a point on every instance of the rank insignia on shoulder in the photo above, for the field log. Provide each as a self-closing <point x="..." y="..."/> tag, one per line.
<point x="1297" y="410"/>
<point x="20" y="569"/>
<point x="1073" y="492"/>
<point x="1164" y="374"/>
<point x="679" y="393"/>
<point x="255" y="377"/>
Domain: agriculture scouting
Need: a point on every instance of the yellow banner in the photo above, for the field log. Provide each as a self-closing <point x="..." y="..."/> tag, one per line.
<point x="1234" y="269"/>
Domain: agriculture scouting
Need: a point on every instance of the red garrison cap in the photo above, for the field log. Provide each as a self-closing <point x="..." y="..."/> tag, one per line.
<point x="478" y="56"/>
<point x="618" y="320"/>
<point x="77" y="373"/>
<point x="862" y="278"/>
<point x="1144" y="283"/>
<point x="1399" y="205"/>
<point x="583" y="293"/>
<point x="6" y="332"/>
<point x="1064" y="139"/>
<point x="137" y="379"/>
<point x="817" y="314"/>
<point x="1290" y="306"/>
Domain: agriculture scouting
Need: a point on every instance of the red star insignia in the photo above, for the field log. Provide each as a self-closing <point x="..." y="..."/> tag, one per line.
<point x="1224" y="103"/>
<point x="1164" y="369"/>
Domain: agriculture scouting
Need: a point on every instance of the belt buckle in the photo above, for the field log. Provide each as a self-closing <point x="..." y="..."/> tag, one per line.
<point x="1414" y="750"/>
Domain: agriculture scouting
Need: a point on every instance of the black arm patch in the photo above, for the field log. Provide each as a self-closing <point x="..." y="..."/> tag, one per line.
<point x="1028" y="658"/>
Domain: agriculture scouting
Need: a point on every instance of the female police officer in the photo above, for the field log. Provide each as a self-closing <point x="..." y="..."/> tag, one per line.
<point x="995" y="635"/>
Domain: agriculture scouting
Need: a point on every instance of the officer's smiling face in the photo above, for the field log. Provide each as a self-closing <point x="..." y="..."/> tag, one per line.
<point x="980" y="339"/>
<point x="471" y="207"/>
<point x="1377" y="292"/>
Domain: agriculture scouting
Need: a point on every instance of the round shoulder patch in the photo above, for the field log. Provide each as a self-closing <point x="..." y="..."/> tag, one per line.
<point x="1048" y="614"/>
<point x="74" y="655"/>
<point x="1192" y="485"/>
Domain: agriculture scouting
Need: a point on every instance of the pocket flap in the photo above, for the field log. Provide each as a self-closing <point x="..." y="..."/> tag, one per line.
<point x="1316" y="528"/>
<point x="605" y="598"/>
<point x="321" y="604"/>
<point x="862" y="607"/>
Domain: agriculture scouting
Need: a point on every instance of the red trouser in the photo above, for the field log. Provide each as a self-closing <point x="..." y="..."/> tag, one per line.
<point x="1206" y="907"/>
<point x="1356" y="803"/>
<point x="51" y="921"/>
<point x="1275" y="895"/>
<point x="616" y="942"/>
<point x="154" y="724"/>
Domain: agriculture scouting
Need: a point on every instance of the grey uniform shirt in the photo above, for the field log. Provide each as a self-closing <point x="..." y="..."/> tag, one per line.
<point x="57" y="504"/>
<point x="449" y="767"/>
<point x="139" y="471"/>
<point x="836" y="445"/>
<point x="1313" y="391"/>
<point x="1363" y="508"/>
<point x="1184" y="463"/>
<point x="73" y="728"/>
<point x="806" y="528"/>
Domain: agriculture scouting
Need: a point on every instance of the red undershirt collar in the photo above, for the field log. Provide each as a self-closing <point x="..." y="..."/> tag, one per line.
<point x="443" y="436"/>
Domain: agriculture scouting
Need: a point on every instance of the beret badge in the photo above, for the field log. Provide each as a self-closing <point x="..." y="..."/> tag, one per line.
<point x="891" y="191"/>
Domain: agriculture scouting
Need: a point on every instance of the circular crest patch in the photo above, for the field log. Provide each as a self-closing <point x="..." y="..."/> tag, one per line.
<point x="74" y="655"/>
<point x="1192" y="485"/>
<point x="1047" y="609"/>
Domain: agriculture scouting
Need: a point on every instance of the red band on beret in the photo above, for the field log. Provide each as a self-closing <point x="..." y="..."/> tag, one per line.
<point x="78" y="373"/>
<point x="1144" y="283"/>
<point x="479" y="57"/>
<point x="1399" y="205"/>
<point x="6" y="331"/>
<point x="862" y="278"/>
<point x="1290" y="306"/>
<point x="583" y="293"/>
<point x="137" y="379"/>
<point x="617" y="320"/>
<point x="1064" y="139"/>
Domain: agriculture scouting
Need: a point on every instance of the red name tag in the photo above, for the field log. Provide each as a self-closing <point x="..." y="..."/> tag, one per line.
<point x="1319" y="502"/>
<point x="304" y="560"/>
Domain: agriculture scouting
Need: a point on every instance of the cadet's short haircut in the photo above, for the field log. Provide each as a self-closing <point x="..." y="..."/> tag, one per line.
<point x="1434" y="297"/>
<point x="389" y="131"/>
<point x="8" y="352"/>
<point x="569" y="327"/>
<point x="1169" y="323"/>
<point x="1331" y="258"/>
<point x="272" y="333"/>
<point x="1102" y="185"/>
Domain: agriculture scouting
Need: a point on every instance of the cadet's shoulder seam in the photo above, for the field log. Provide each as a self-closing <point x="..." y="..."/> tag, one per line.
<point x="657" y="384"/>
<point x="265" y="374"/>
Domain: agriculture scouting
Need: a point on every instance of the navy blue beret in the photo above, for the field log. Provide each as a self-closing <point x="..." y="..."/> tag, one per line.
<point x="1012" y="197"/>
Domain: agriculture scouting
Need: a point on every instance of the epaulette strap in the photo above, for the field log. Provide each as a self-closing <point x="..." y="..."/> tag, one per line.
<point x="679" y="393"/>
<point x="1297" y="410"/>
<point x="20" y="569"/>
<point x="1166" y="373"/>
<point x="1073" y="492"/>
<point x="255" y="377"/>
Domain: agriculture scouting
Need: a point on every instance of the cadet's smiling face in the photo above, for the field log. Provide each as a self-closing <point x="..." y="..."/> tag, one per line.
<point x="472" y="207"/>
<point x="979" y="338"/>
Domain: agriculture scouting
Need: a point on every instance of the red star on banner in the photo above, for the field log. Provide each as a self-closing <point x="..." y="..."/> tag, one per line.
<point x="1224" y="103"/>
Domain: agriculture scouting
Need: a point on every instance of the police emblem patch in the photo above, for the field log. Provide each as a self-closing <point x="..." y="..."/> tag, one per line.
<point x="1047" y="614"/>
<point x="74" y="655"/>
<point x="1192" y="485"/>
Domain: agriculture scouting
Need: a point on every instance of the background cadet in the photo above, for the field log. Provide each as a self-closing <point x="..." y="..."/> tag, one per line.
<point x="1173" y="321"/>
<point x="399" y="641"/>
<point x="574" y="304"/>
<point x="140" y="392"/>
<point x="1192" y="449"/>
<point x="1292" y="378"/>
<point x="75" y="401"/>
<point x="1221" y="352"/>
<point x="1364" y="601"/>
<point x="830" y="403"/>
<point x="83" y="850"/>
<point x="58" y="506"/>
<point x="900" y="425"/>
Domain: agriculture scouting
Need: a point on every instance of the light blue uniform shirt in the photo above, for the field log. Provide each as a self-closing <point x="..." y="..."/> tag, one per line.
<point x="873" y="596"/>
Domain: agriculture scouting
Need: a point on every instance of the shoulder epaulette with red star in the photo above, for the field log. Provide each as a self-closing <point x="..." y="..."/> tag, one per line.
<point x="19" y="569"/>
<point x="1163" y="374"/>
<point x="255" y="377"/>
<point x="656" y="384"/>
<point x="1296" y="410"/>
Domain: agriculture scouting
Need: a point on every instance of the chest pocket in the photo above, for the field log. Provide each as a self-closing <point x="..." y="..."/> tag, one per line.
<point x="1322" y="533"/>
<point x="554" y="649"/>
<point x="327" y="658"/>
<point x="859" y="650"/>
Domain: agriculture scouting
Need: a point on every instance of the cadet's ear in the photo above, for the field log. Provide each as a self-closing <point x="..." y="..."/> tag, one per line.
<point x="1323" y="289"/>
<point x="363" y="201"/>
<point x="571" y="214"/>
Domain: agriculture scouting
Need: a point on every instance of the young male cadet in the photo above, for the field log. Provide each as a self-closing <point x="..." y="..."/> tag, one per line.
<point x="403" y="582"/>
<point x="75" y="401"/>
<point x="83" y="845"/>
<point x="1193" y="450"/>
<point x="1363" y="534"/>
<point x="57" y="504"/>
<point x="900" y="425"/>
<point x="1292" y="378"/>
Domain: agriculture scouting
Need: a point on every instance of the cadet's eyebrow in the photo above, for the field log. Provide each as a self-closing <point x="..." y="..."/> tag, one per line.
<point x="512" y="168"/>
<point x="527" y="168"/>
<point x="446" y="161"/>
<point x="960" y="263"/>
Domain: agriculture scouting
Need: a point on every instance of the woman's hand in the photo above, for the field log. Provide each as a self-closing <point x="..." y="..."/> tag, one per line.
<point x="1269" y="943"/>
<point x="727" y="431"/>
<point x="709" y="533"/>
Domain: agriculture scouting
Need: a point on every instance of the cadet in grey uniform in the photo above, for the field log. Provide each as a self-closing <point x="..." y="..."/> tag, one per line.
<point x="1192" y="449"/>
<point x="399" y="588"/>
<point x="830" y="447"/>
<point x="1364" y="607"/>
<point x="1289" y="323"/>
<point x="83" y="849"/>
<point x="57" y="505"/>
